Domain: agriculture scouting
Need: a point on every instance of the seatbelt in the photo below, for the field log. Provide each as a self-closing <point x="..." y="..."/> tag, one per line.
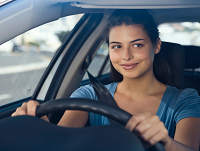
<point x="103" y="95"/>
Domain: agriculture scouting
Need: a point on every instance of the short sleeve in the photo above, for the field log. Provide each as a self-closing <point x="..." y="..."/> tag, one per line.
<point x="188" y="105"/>
<point x="84" y="92"/>
<point x="89" y="93"/>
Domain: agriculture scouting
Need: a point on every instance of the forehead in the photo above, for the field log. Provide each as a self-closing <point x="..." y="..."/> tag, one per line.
<point x="127" y="32"/>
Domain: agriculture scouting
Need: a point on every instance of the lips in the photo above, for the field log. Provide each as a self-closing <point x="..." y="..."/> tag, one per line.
<point x="129" y="66"/>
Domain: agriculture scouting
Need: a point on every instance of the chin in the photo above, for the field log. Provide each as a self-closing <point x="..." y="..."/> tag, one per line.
<point x="134" y="74"/>
<point x="131" y="76"/>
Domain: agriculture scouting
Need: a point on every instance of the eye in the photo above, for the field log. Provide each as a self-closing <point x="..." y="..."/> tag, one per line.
<point x="116" y="47"/>
<point x="137" y="45"/>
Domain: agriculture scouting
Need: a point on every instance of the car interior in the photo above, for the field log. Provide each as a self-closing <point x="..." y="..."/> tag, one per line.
<point x="192" y="62"/>
<point x="70" y="63"/>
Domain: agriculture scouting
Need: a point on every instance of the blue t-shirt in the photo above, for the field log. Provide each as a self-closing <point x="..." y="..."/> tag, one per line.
<point x="175" y="105"/>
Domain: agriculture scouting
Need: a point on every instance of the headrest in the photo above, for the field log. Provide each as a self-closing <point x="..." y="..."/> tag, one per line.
<point x="174" y="55"/>
<point x="192" y="57"/>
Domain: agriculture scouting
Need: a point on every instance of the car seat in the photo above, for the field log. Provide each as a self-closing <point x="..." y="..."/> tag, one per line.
<point x="192" y="65"/>
<point x="174" y="55"/>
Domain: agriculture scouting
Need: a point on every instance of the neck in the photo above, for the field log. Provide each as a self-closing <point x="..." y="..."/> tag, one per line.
<point x="146" y="84"/>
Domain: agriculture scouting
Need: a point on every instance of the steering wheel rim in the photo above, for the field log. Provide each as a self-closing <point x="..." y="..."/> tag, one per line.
<point x="83" y="104"/>
<point x="89" y="105"/>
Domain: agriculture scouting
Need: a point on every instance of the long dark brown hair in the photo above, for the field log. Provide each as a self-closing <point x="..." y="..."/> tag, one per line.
<point x="146" y="20"/>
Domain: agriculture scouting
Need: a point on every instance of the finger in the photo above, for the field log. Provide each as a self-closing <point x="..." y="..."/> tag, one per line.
<point x="153" y="130"/>
<point x="31" y="107"/>
<point x="156" y="134"/>
<point x="17" y="110"/>
<point x="148" y="135"/>
<point x="147" y="123"/>
<point x="14" y="114"/>
<point x="22" y="110"/>
<point x="158" y="137"/>
<point x="135" y="120"/>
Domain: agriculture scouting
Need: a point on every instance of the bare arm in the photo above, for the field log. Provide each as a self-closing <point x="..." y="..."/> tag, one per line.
<point x="187" y="135"/>
<point x="69" y="119"/>
<point x="74" y="119"/>
<point x="152" y="130"/>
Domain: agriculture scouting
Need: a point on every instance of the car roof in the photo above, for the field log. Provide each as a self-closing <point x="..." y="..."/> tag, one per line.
<point x="21" y="15"/>
<point x="152" y="3"/>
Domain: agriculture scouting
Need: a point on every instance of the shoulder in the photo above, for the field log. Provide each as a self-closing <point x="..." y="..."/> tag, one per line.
<point x="189" y="93"/>
<point x="176" y="105"/>
<point x="87" y="91"/>
<point x="185" y="96"/>
<point x="111" y="87"/>
<point x="179" y="95"/>
<point x="186" y="103"/>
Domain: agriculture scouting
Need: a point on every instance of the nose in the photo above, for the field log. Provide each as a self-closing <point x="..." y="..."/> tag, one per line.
<point x="127" y="55"/>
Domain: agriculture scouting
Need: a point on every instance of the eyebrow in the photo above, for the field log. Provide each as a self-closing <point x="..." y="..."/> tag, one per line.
<point x="130" y="42"/>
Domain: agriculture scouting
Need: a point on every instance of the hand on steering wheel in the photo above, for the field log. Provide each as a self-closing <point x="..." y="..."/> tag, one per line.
<point x="114" y="113"/>
<point x="28" y="108"/>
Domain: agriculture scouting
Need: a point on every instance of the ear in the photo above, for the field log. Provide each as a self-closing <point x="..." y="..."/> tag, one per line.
<point x="158" y="46"/>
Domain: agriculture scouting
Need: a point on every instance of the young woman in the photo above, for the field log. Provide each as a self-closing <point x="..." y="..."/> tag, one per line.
<point x="161" y="112"/>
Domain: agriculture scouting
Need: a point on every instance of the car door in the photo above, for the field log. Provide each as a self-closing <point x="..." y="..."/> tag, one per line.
<point x="72" y="57"/>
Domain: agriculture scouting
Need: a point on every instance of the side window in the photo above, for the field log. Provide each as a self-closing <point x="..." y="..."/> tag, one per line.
<point x="188" y="35"/>
<point x="24" y="59"/>
<point x="98" y="62"/>
<point x="185" y="33"/>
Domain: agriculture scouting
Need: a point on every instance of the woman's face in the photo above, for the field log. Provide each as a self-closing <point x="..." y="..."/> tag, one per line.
<point x="131" y="51"/>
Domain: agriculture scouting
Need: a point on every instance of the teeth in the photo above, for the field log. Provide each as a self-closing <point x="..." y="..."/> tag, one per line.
<point x="128" y="66"/>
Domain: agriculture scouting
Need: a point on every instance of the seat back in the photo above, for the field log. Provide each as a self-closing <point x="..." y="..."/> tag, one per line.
<point x="174" y="55"/>
<point x="192" y="67"/>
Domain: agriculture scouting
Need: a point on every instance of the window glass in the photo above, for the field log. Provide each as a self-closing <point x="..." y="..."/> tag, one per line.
<point x="185" y="33"/>
<point x="98" y="61"/>
<point x="24" y="59"/>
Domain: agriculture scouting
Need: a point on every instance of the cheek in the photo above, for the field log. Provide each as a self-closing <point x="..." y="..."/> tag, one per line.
<point x="145" y="55"/>
<point x="114" y="57"/>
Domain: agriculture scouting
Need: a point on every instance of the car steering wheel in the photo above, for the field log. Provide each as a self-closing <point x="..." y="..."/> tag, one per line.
<point x="89" y="105"/>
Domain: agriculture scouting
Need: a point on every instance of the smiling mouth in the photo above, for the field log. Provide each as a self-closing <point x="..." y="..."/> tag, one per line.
<point x="129" y="66"/>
